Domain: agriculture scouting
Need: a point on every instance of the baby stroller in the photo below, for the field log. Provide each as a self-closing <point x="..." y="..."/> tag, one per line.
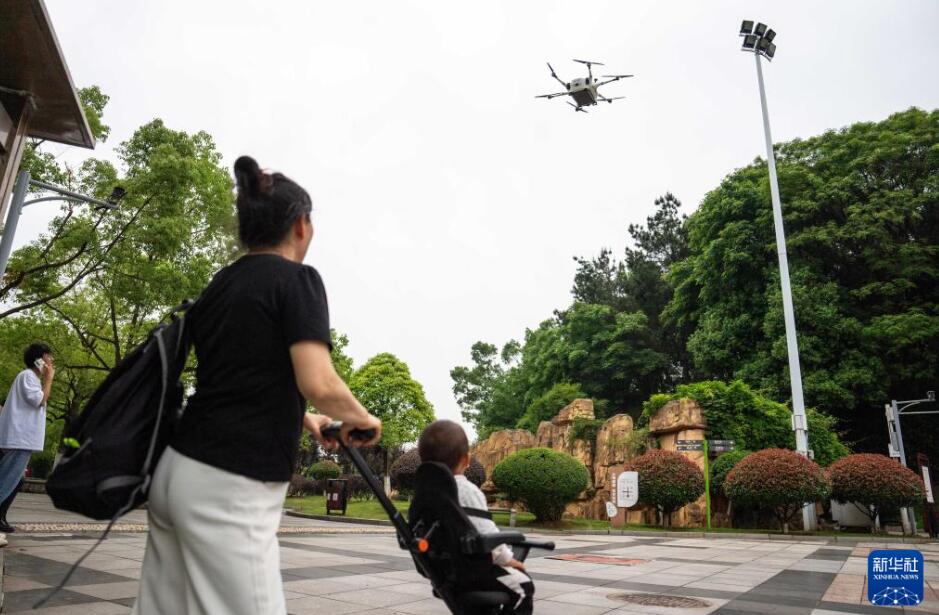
<point x="444" y="545"/>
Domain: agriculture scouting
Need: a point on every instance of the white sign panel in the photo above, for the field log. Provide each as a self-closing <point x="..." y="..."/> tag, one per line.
<point x="929" y="497"/>
<point x="627" y="489"/>
<point x="610" y="509"/>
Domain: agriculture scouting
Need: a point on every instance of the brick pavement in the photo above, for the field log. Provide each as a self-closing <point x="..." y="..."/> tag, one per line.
<point x="352" y="573"/>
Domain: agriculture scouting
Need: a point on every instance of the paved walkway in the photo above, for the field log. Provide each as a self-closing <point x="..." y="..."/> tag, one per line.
<point x="347" y="573"/>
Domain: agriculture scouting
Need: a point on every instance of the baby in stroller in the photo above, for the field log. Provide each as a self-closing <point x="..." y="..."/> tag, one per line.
<point x="446" y="443"/>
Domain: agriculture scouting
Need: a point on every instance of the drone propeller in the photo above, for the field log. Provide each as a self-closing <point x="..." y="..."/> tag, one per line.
<point x="589" y="63"/>
<point x="553" y="74"/>
<point x="615" y="76"/>
<point x="610" y="100"/>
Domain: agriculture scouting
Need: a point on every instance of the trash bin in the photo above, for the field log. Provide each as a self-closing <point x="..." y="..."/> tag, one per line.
<point x="336" y="495"/>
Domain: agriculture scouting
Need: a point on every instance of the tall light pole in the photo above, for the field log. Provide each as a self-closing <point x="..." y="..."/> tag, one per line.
<point x="759" y="42"/>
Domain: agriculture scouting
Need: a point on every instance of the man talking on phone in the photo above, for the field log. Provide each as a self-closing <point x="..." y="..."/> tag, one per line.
<point x="23" y="420"/>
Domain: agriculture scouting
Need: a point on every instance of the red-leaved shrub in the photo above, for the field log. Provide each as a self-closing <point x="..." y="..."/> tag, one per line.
<point x="777" y="479"/>
<point x="876" y="481"/>
<point x="667" y="480"/>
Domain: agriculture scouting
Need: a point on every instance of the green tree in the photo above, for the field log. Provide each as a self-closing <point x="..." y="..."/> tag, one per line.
<point x="861" y="209"/>
<point x="734" y="411"/>
<point x="384" y="385"/>
<point x="546" y="406"/>
<point x="97" y="281"/>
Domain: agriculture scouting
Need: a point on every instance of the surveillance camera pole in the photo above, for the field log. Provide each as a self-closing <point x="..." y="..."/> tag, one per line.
<point x="895" y="409"/>
<point x="799" y="423"/>
<point x="19" y="201"/>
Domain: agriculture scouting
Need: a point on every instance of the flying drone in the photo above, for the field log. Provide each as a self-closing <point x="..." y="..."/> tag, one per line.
<point x="584" y="89"/>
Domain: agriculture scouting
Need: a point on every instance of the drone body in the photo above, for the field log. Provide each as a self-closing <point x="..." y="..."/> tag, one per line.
<point x="584" y="90"/>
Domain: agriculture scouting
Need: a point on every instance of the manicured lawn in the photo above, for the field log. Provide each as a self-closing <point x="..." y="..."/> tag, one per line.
<point x="362" y="509"/>
<point x="371" y="509"/>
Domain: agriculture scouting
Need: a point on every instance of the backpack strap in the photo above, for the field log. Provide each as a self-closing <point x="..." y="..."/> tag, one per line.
<point x="477" y="512"/>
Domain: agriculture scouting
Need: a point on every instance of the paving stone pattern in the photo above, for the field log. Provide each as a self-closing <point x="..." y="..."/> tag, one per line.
<point x="358" y="573"/>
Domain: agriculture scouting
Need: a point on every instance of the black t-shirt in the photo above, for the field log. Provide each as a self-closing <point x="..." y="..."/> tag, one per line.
<point x="246" y="414"/>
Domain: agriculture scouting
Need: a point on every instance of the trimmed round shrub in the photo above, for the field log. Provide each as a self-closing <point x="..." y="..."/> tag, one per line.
<point x="721" y="466"/>
<point x="405" y="467"/>
<point x="776" y="479"/>
<point x="667" y="480"/>
<point x="876" y="481"/>
<point x="475" y="473"/>
<point x="543" y="479"/>
<point x="322" y="470"/>
<point x="403" y="470"/>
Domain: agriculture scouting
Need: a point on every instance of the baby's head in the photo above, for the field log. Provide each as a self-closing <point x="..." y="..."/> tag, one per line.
<point x="445" y="442"/>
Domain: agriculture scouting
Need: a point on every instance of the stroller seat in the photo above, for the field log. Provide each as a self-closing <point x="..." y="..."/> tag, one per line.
<point x="456" y="553"/>
<point x="445" y="546"/>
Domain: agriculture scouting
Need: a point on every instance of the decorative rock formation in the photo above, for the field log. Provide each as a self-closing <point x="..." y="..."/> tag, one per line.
<point x="677" y="420"/>
<point x="682" y="419"/>
<point x="497" y="447"/>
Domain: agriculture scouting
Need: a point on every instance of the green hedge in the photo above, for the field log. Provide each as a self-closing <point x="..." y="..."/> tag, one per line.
<point x="543" y="479"/>
<point x="722" y="466"/>
<point x="736" y="412"/>
<point x="321" y="470"/>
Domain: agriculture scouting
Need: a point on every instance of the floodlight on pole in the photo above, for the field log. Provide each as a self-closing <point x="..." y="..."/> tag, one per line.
<point x="758" y="44"/>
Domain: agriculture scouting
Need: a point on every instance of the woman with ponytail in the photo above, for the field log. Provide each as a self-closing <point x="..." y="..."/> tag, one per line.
<point x="261" y="336"/>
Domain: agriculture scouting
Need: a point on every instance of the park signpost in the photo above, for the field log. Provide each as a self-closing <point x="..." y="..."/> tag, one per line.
<point x="707" y="447"/>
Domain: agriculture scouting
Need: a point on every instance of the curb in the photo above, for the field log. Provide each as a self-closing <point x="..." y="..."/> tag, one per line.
<point x="745" y="536"/>
<point x="338" y="519"/>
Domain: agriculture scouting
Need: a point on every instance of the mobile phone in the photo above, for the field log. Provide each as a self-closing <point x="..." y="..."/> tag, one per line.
<point x="40" y="365"/>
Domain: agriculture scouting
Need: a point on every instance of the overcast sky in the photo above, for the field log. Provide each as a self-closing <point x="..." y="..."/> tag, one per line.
<point x="448" y="201"/>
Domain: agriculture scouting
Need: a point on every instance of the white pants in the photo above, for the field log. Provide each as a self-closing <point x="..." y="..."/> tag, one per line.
<point x="212" y="547"/>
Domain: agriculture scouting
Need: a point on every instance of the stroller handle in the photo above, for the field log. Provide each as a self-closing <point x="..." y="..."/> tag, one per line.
<point x="332" y="430"/>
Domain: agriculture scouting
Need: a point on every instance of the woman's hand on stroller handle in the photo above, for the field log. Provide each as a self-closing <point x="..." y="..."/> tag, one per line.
<point x="364" y="433"/>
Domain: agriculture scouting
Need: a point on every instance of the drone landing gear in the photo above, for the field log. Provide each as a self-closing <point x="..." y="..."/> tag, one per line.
<point x="576" y="107"/>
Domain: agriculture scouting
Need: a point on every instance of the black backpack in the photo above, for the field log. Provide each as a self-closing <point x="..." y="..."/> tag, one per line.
<point x="122" y="432"/>
<point x="124" y="427"/>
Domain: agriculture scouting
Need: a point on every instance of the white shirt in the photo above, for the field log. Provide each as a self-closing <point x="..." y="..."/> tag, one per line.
<point x="23" y="420"/>
<point x="470" y="496"/>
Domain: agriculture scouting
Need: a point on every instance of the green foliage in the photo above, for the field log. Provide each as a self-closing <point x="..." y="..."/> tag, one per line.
<point x="722" y="466"/>
<point x="586" y="429"/>
<point x="776" y="479"/>
<point x="879" y="483"/>
<point x="861" y="209"/>
<point x="667" y="480"/>
<point x="321" y="470"/>
<point x="547" y="405"/>
<point x="608" y="343"/>
<point x="736" y="412"/>
<point x="40" y="464"/>
<point x="342" y="362"/>
<point x="93" y="102"/>
<point x="97" y="281"/>
<point x="633" y="443"/>
<point x="544" y="480"/>
<point x="384" y="385"/>
<point x="403" y="471"/>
